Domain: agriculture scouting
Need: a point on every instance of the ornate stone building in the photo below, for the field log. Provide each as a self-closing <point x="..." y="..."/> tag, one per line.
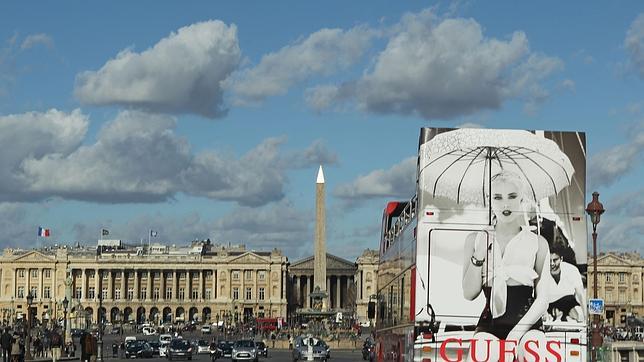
<point x="620" y="281"/>
<point x="200" y="282"/>
<point x="349" y="284"/>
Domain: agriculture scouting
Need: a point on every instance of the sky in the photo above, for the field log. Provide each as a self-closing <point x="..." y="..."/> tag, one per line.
<point x="208" y="119"/>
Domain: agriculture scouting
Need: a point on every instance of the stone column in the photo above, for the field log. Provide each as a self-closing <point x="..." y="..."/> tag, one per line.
<point x="188" y="287"/>
<point x="296" y="289"/>
<point x="97" y="285"/>
<point x="14" y="282"/>
<point x="148" y="294"/>
<point x="123" y="291"/>
<point x="175" y="285"/>
<point x="162" y="285"/>
<point x="214" y="284"/>
<point x="28" y="282"/>
<point x="110" y="284"/>
<point x="136" y="284"/>
<point x="41" y="294"/>
<point x="338" y="280"/>
<point x="84" y="284"/>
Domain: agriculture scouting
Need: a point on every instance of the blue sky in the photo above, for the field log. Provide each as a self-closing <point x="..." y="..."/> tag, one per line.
<point x="209" y="119"/>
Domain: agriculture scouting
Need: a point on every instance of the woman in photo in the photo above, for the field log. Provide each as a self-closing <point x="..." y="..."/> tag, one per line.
<point x="510" y="266"/>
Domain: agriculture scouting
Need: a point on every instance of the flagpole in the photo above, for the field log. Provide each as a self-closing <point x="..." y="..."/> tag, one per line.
<point x="149" y="235"/>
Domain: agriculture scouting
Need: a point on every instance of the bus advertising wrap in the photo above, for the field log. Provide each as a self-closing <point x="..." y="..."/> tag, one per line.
<point x="502" y="244"/>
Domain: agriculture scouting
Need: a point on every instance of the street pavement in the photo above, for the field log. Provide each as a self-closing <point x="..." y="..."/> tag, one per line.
<point x="273" y="355"/>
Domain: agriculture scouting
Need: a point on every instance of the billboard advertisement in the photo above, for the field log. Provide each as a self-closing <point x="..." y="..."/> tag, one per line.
<point x="502" y="242"/>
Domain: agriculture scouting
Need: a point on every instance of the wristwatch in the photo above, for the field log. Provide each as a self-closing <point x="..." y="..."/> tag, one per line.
<point x="477" y="262"/>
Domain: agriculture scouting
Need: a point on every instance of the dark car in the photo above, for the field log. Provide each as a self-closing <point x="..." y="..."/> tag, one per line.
<point x="76" y="332"/>
<point x="226" y="348"/>
<point x="262" y="349"/>
<point x="138" y="349"/>
<point x="179" y="348"/>
<point x="155" y="347"/>
<point x="368" y="351"/>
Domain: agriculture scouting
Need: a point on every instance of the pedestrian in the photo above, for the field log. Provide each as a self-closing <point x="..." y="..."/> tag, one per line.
<point x="16" y="349"/>
<point x="5" y="341"/>
<point x="56" y="345"/>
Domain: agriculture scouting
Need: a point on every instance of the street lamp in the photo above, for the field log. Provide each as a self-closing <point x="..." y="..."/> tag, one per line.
<point x="595" y="209"/>
<point x="65" y="305"/>
<point x="99" y="343"/>
<point x="30" y="299"/>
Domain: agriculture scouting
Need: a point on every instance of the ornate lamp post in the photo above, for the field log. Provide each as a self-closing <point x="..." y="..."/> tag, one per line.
<point x="65" y="305"/>
<point x="595" y="209"/>
<point x="99" y="343"/>
<point x="30" y="299"/>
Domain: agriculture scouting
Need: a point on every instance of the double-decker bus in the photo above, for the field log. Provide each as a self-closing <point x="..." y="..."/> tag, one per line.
<point x="438" y="295"/>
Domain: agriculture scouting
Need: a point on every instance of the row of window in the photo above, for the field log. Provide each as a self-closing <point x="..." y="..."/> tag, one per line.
<point x="621" y="277"/>
<point x="248" y="274"/>
<point x="20" y="293"/>
<point x="34" y="273"/>
<point x="91" y="293"/>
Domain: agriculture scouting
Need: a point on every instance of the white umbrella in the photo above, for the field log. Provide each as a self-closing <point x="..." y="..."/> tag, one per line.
<point x="459" y="164"/>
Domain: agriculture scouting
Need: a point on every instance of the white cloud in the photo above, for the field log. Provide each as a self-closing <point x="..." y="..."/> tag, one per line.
<point x="14" y="231"/>
<point x="137" y="157"/>
<point x="37" y="39"/>
<point x="182" y="73"/>
<point x="444" y="69"/>
<point x="568" y="84"/>
<point x="280" y="225"/>
<point x="608" y="166"/>
<point x="321" y="53"/>
<point x="32" y="136"/>
<point x="634" y="43"/>
<point x="398" y="181"/>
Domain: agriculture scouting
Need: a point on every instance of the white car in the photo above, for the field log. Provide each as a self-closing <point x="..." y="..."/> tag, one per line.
<point x="206" y="329"/>
<point x="149" y="331"/>
<point x="203" y="346"/>
<point x="165" y="338"/>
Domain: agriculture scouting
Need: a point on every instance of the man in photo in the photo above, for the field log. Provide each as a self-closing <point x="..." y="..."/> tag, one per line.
<point x="567" y="295"/>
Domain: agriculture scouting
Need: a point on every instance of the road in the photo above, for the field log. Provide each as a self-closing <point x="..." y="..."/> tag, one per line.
<point x="273" y="356"/>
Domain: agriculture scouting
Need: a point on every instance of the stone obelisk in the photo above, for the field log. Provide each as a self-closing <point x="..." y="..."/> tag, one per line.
<point x="319" y="262"/>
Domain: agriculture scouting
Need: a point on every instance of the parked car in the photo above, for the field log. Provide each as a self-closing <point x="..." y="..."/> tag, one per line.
<point x="179" y="348"/>
<point x="149" y="331"/>
<point x="138" y="349"/>
<point x="202" y="347"/>
<point x="244" y="350"/>
<point x="308" y="348"/>
<point x="262" y="349"/>
<point x="368" y="351"/>
<point x="206" y="329"/>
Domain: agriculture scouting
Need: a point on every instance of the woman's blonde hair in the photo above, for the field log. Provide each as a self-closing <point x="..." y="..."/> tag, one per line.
<point x="522" y="189"/>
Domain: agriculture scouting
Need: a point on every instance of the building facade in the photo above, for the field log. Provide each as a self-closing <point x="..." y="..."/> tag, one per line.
<point x="349" y="285"/>
<point x="160" y="284"/>
<point x="620" y="277"/>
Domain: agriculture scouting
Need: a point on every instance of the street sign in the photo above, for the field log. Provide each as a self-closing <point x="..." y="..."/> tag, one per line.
<point x="596" y="306"/>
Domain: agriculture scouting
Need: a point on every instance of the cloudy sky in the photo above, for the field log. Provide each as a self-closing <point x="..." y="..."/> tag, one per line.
<point x="209" y="119"/>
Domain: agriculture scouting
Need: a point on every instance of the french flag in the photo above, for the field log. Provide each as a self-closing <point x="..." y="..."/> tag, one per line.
<point x="43" y="232"/>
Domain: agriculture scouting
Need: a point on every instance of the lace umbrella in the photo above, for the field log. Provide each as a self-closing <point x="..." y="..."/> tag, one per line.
<point x="459" y="164"/>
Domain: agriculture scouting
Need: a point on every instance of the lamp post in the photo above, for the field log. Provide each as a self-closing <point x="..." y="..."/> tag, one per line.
<point x="65" y="305"/>
<point x="30" y="299"/>
<point x="99" y="343"/>
<point x="595" y="209"/>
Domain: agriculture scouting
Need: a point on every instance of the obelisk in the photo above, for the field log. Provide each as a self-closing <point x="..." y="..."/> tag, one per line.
<point x="319" y="263"/>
